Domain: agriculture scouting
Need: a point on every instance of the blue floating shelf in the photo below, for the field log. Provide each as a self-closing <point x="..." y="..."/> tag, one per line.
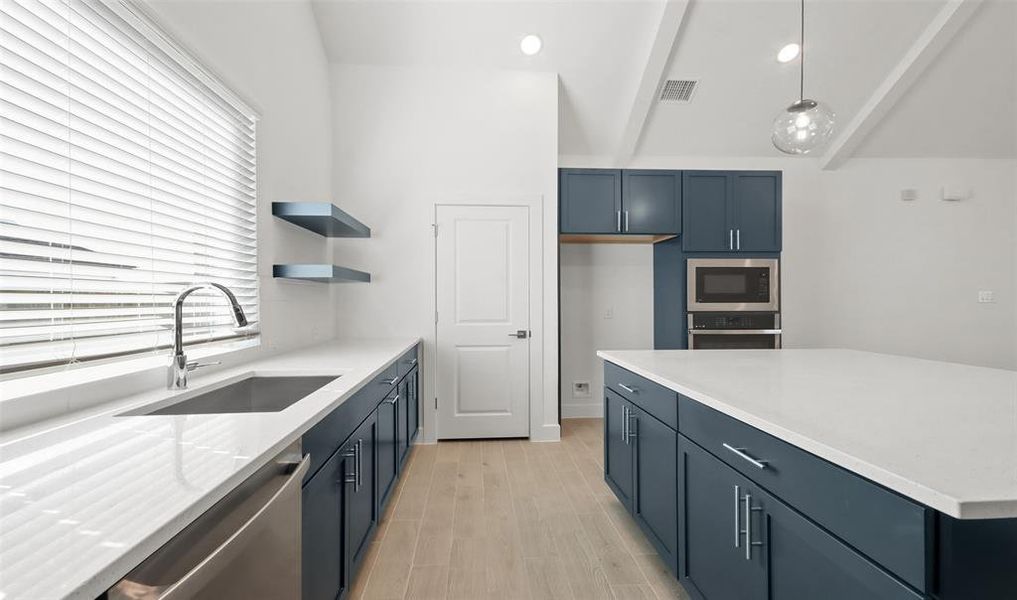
<point x="320" y="273"/>
<point x="323" y="218"/>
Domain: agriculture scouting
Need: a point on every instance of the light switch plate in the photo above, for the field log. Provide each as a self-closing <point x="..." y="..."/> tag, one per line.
<point x="986" y="297"/>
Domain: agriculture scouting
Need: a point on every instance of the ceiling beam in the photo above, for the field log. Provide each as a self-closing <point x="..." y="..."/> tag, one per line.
<point x="919" y="56"/>
<point x="656" y="65"/>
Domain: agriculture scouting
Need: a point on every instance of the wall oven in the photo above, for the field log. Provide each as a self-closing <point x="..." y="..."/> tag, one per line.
<point x="734" y="331"/>
<point x="733" y="284"/>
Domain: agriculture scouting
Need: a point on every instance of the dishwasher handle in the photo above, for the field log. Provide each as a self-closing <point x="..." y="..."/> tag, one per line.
<point x="196" y="578"/>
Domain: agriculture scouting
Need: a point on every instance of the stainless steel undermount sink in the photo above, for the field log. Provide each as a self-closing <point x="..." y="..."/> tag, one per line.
<point x="256" y="394"/>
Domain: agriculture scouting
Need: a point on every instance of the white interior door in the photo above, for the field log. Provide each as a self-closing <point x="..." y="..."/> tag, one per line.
<point x="483" y="301"/>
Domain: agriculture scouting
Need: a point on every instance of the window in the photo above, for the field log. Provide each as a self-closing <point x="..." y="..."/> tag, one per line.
<point x="126" y="173"/>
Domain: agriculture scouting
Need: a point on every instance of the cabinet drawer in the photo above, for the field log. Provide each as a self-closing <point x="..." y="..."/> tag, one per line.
<point x="406" y="362"/>
<point x="322" y="440"/>
<point x="655" y="399"/>
<point x="889" y="529"/>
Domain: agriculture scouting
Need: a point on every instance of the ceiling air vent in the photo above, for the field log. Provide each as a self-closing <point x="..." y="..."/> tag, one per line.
<point x="678" y="90"/>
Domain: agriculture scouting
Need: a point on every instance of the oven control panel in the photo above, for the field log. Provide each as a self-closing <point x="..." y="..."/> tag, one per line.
<point x="734" y="320"/>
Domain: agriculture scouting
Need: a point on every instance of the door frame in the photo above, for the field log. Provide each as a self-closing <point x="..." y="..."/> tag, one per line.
<point x="535" y="219"/>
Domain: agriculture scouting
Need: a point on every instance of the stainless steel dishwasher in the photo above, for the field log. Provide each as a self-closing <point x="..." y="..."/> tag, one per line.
<point x="247" y="546"/>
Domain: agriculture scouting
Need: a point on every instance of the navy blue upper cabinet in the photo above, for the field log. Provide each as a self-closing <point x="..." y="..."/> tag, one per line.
<point x="706" y="212"/>
<point x="758" y="205"/>
<point x="651" y="202"/>
<point x="590" y="200"/>
<point x="731" y="211"/>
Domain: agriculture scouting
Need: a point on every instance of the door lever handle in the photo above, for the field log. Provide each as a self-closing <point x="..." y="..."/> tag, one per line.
<point x="521" y="334"/>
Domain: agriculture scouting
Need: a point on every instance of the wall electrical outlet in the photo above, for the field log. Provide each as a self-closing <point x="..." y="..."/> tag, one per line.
<point x="580" y="389"/>
<point x="986" y="297"/>
<point x="609" y="313"/>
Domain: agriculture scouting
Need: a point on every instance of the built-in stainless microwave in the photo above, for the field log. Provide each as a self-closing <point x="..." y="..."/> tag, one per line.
<point x="733" y="284"/>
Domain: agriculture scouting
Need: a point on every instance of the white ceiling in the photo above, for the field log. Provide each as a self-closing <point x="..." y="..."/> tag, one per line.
<point x="965" y="104"/>
<point x="601" y="47"/>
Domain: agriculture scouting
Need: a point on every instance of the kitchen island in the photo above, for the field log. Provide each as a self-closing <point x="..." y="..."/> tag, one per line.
<point x="830" y="472"/>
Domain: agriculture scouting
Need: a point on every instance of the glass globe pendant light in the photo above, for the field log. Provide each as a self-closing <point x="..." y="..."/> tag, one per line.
<point x="806" y="124"/>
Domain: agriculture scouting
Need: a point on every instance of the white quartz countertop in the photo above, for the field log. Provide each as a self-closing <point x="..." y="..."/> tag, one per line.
<point x="942" y="434"/>
<point x="85" y="500"/>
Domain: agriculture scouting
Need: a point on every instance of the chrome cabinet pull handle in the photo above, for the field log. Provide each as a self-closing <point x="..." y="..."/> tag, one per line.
<point x="351" y="477"/>
<point x="749" y="509"/>
<point x="626" y="221"/>
<point x="394" y="399"/>
<point x="730" y="239"/>
<point x="625" y="423"/>
<point x="632" y="433"/>
<point x="618" y="227"/>
<point x="738" y="526"/>
<point x="358" y="449"/>
<point x="738" y="238"/>
<point x="740" y="453"/>
<point x="628" y="389"/>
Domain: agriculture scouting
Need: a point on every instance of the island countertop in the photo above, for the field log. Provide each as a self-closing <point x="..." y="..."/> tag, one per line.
<point x="84" y="500"/>
<point x="942" y="434"/>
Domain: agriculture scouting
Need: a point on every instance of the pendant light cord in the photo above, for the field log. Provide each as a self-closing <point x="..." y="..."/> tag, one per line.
<point x="801" y="58"/>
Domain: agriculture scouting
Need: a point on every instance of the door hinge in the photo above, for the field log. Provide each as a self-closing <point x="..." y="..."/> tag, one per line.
<point x="435" y="403"/>
<point x="435" y="227"/>
<point x="436" y="317"/>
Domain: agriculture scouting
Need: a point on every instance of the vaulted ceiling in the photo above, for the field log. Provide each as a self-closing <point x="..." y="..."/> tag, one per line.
<point x="905" y="77"/>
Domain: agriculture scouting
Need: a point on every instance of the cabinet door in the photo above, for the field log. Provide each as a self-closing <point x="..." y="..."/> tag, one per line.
<point x="323" y="535"/>
<point x="363" y="504"/>
<point x="651" y="202"/>
<point x="713" y="526"/>
<point x="403" y="427"/>
<point x="590" y="200"/>
<point x="757" y="205"/>
<point x="413" y="404"/>
<point x="655" y="505"/>
<point x="617" y="448"/>
<point x="706" y="212"/>
<point x="808" y="562"/>
<point x="388" y="462"/>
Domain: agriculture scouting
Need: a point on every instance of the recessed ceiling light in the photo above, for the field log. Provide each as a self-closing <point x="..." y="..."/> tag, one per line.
<point x="531" y="44"/>
<point x="788" y="53"/>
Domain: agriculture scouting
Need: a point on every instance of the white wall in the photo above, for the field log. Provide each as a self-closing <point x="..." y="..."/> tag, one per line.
<point x="905" y="276"/>
<point x="607" y="304"/>
<point x="271" y="54"/>
<point x="862" y="269"/>
<point x="406" y="138"/>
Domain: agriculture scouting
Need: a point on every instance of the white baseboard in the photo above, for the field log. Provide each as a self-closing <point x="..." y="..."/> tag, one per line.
<point x="582" y="411"/>
<point x="546" y="433"/>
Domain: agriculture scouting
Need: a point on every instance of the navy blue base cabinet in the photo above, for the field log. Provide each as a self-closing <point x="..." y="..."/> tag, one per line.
<point x="742" y="543"/>
<point x="741" y="515"/>
<point x="640" y="456"/>
<point x="364" y="444"/>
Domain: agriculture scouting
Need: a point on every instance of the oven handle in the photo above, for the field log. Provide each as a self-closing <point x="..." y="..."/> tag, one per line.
<point x="735" y="332"/>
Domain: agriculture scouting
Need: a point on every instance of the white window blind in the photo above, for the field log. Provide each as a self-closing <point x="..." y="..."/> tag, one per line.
<point x="126" y="173"/>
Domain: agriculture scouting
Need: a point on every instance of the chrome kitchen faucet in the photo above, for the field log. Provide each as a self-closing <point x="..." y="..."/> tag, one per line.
<point x="179" y="367"/>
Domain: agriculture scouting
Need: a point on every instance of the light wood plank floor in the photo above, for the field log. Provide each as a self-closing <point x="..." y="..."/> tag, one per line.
<point x="511" y="519"/>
